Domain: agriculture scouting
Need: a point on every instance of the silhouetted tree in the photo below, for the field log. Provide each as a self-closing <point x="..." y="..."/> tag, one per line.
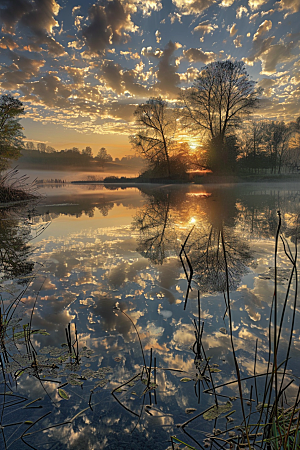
<point x="157" y="127"/>
<point x="219" y="99"/>
<point x="11" y="136"/>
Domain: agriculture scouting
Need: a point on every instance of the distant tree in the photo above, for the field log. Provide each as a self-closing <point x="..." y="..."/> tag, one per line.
<point x="11" y="136"/>
<point x="41" y="147"/>
<point x="102" y="156"/>
<point x="50" y="149"/>
<point x="87" y="151"/>
<point x="277" y="137"/>
<point x="154" y="140"/>
<point x="30" y="145"/>
<point x="219" y="99"/>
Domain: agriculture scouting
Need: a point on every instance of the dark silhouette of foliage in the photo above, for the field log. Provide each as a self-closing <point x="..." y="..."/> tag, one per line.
<point x="11" y="136"/>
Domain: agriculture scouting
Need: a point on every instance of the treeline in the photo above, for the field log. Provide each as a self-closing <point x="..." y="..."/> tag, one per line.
<point x="272" y="147"/>
<point x="43" y="156"/>
<point x="214" y="112"/>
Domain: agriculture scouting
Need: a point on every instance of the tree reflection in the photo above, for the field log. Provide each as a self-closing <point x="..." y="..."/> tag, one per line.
<point x="14" y="248"/>
<point x="157" y="234"/>
<point x="208" y="259"/>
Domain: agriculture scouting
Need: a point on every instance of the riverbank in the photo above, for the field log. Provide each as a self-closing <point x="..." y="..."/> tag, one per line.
<point x="198" y="179"/>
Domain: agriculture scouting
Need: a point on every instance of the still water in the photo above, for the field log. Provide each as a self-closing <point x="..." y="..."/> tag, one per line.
<point x="107" y="270"/>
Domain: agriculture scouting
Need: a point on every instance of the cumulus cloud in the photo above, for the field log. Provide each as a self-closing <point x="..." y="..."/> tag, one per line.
<point x="192" y="6"/>
<point x="205" y="28"/>
<point x="240" y="11"/>
<point x="157" y="36"/>
<point x="198" y="55"/>
<point x="262" y="29"/>
<point x="49" y="90"/>
<point x="292" y="5"/>
<point x="108" y="25"/>
<point x="233" y="30"/>
<point x="38" y="16"/>
<point x="167" y="78"/>
<point x="267" y="84"/>
<point x="227" y="3"/>
<point x="122" y="81"/>
<point x="8" y="42"/>
<point x="22" y="69"/>
<point x="256" y="4"/>
<point x="238" y="41"/>
<point x="271" y="55"/>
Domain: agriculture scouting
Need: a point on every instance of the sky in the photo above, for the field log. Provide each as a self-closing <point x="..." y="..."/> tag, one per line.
<point x="82" y="67"/>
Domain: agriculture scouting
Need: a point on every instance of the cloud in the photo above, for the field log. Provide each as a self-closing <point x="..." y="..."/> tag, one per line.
<point x="150" y="53"/>
<point x="238" y="41"/>
<point x="292" y="5"/>
<point x="226" y="3"/>
<point x="267" y="84"/>
<point x="38" y="16"/>
<point x="276" y="54"/>
<point x="240" y="11"/>
<point x="122" y="81"/>
<point x="49" y="90"/>
<point x="205" y="28"/>
<point x="198" y="55"/>
<point x="256" y="4"/>
<point x="108" y="25"/>
<point x="262" y="29"/>
<point x="8" y="42"/>
<point x="168" y="79"/>
<point x="111" y="73"/>
<point x="187" y="7"/>
<point x="22" y="69"/>
<point x="75" y="10"/>
<point x="157" y="36"/>
<point x="271" y="55"/>
<point x="233" y="30"/>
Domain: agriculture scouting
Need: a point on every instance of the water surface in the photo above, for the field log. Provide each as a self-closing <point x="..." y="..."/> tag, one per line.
<point x="106" y="245"/>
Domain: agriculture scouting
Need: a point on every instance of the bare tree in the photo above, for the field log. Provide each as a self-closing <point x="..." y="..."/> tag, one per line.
<point x="157" y="127"/>
<point x="277" y="138"/>
<point x="219" y="99"/>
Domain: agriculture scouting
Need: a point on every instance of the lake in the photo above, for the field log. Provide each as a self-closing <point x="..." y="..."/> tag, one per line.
<point x="108" y="311"/>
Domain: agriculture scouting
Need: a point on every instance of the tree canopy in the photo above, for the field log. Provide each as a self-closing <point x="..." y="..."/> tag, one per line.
<point x="157" y="125"/>
<point x="11" y="136"/>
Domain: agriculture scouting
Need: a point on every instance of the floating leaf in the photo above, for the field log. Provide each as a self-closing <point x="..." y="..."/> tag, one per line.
<point x="63" y="394"/>
<point x="185" y="380"/>
<point x="215" y="411"/>
<point x="28" y="422"/>
<point x="190" y="410"/>
<point x="214" y="370"/>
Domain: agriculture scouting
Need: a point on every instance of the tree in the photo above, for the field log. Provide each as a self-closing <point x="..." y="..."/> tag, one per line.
<point x="157" y="127"/>
<point x="103" y="156"/>
<point x="11" y="136"/>
<point x="277" y="137"/>
<point x="219" y="99"/>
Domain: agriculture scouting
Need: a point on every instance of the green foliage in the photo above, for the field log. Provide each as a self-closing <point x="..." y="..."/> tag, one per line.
<point x="11" y="136"/>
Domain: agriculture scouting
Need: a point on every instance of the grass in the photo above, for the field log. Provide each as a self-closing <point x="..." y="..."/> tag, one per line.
<point x="271" y="423"/>
<point x="16" y="188"/>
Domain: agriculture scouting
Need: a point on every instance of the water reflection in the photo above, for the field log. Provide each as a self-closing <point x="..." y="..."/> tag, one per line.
<point x="87" y="269"/>
<point x="15" y="235"/>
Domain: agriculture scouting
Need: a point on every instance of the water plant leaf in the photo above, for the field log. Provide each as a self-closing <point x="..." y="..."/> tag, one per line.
<point x="215" y="411"/>
<point x="214" y="370"/>
<point x="185" y="379"/>
<point x="223" y="330"/>
<point x="63" y="394"/>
